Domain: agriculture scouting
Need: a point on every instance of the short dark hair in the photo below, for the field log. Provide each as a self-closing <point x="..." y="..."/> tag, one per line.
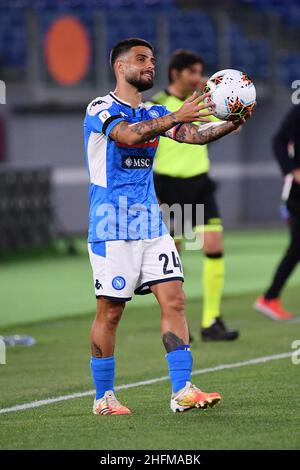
<point x="183" y="59"/>
<point x="125" y="45"/>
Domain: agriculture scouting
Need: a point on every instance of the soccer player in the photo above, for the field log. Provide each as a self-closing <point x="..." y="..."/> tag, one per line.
<point x="129" y="247"/>
<point x="286" y="146"/>
<point x="181" y="175"/>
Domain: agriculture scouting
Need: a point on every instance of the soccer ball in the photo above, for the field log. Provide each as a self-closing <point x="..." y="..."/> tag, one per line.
<point x="232" y="92"/>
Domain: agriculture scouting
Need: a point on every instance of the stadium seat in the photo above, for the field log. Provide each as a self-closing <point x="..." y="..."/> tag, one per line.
<point x="200" y="35"/>
<point x="194" y="29"/>
<point x="249" y="54"/>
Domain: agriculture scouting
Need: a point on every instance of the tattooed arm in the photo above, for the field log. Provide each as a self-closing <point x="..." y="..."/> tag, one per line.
<point x="131" y="134"/>
<point x="193" y="134"/>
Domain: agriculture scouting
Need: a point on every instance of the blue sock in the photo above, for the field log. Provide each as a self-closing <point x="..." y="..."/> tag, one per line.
<point x="180" y="367"/>
<point x="103" y="372"/>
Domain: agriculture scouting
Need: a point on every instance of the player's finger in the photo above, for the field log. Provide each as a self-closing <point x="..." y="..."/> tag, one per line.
<point x="240" y="122"/>
<point x="192" y="97"/>
<point x="200" y="98"/>
<point x="235" y="119"/>
<point x="248" y="115"/>
<point x="203" y="119"/>
<point x="208" y="104"/>
<point x="208" y="113"/>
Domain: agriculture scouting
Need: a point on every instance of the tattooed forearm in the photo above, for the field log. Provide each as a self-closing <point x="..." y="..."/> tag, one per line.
<point x="96" y="350"/>
<point x="144" y="130"/>
<point x="154" y="127"/>
<point x="192" y="134"/>
<point x="171" y="341"/>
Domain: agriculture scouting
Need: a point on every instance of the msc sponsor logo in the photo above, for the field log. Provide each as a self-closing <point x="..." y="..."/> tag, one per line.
<point x="136" y="163"/>
<point x="118" y="283"/>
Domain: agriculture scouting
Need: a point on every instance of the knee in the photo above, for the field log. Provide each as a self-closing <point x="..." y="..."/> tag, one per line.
<point x="112" y="314"/>
<point x="175" y="304"/>
<point x="213" y="243"/>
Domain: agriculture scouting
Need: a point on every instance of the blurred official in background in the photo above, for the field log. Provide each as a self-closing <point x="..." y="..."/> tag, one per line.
<point x="286" y="146"/>
<point x="181" y="176"/>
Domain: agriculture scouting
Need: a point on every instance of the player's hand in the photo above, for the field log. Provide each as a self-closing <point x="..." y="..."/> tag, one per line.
<point x="202" y="83"/>
<point x="296" y="175"/>
<point x="192" y="109"/>
<point x="240" y="121"/>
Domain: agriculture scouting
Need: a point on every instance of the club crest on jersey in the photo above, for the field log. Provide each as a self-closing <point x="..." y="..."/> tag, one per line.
<point x="118" y="282"/>
<point x="153" y="113"/>
<point x="136" y="162"/>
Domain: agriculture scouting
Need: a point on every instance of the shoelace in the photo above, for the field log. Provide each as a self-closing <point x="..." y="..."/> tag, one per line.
<point x="111" y="399"/>
<point x="195" y="388"/>
<point x="190" y="387"/>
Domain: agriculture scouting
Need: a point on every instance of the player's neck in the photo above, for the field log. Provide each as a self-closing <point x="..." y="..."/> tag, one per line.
<point x="129" y="94"/>
<point x="177" y="91"/>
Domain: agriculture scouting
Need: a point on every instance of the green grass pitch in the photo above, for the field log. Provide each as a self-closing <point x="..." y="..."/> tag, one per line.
<point x="260" y="407"/>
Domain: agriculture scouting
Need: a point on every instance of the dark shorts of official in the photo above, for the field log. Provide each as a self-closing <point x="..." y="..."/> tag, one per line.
<point x="199" y="189"/>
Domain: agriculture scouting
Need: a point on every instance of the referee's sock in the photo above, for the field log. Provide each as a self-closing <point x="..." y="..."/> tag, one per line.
<point x="213" y="282"/>
<point x="103" y="372"/>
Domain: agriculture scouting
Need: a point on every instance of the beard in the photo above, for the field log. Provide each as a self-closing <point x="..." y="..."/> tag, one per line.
<point x="139" y="83"/>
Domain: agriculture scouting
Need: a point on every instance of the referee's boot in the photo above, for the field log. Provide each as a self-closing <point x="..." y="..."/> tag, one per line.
<point x="218" y="331"/>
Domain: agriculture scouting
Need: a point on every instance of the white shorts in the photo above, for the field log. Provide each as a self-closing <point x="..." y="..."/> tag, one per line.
<point x="123" y="267"/>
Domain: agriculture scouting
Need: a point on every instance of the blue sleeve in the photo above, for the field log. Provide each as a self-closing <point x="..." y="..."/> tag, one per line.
<point x="102" y="116"/>
<point x="163" y="111"/>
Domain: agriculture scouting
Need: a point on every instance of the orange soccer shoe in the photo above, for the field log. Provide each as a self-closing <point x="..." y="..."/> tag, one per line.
<point x="272" y="308"/>
<point x="192" y="397"/>
<point x="109" y="405"/>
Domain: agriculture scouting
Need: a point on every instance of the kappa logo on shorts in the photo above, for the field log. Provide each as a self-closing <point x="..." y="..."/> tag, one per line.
<point x="118" y="283"/>
<point x="98" y="284"/>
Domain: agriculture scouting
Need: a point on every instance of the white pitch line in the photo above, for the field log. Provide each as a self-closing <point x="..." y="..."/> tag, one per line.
<point x="49" y="401"/>
<point x="295" y="320"/>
